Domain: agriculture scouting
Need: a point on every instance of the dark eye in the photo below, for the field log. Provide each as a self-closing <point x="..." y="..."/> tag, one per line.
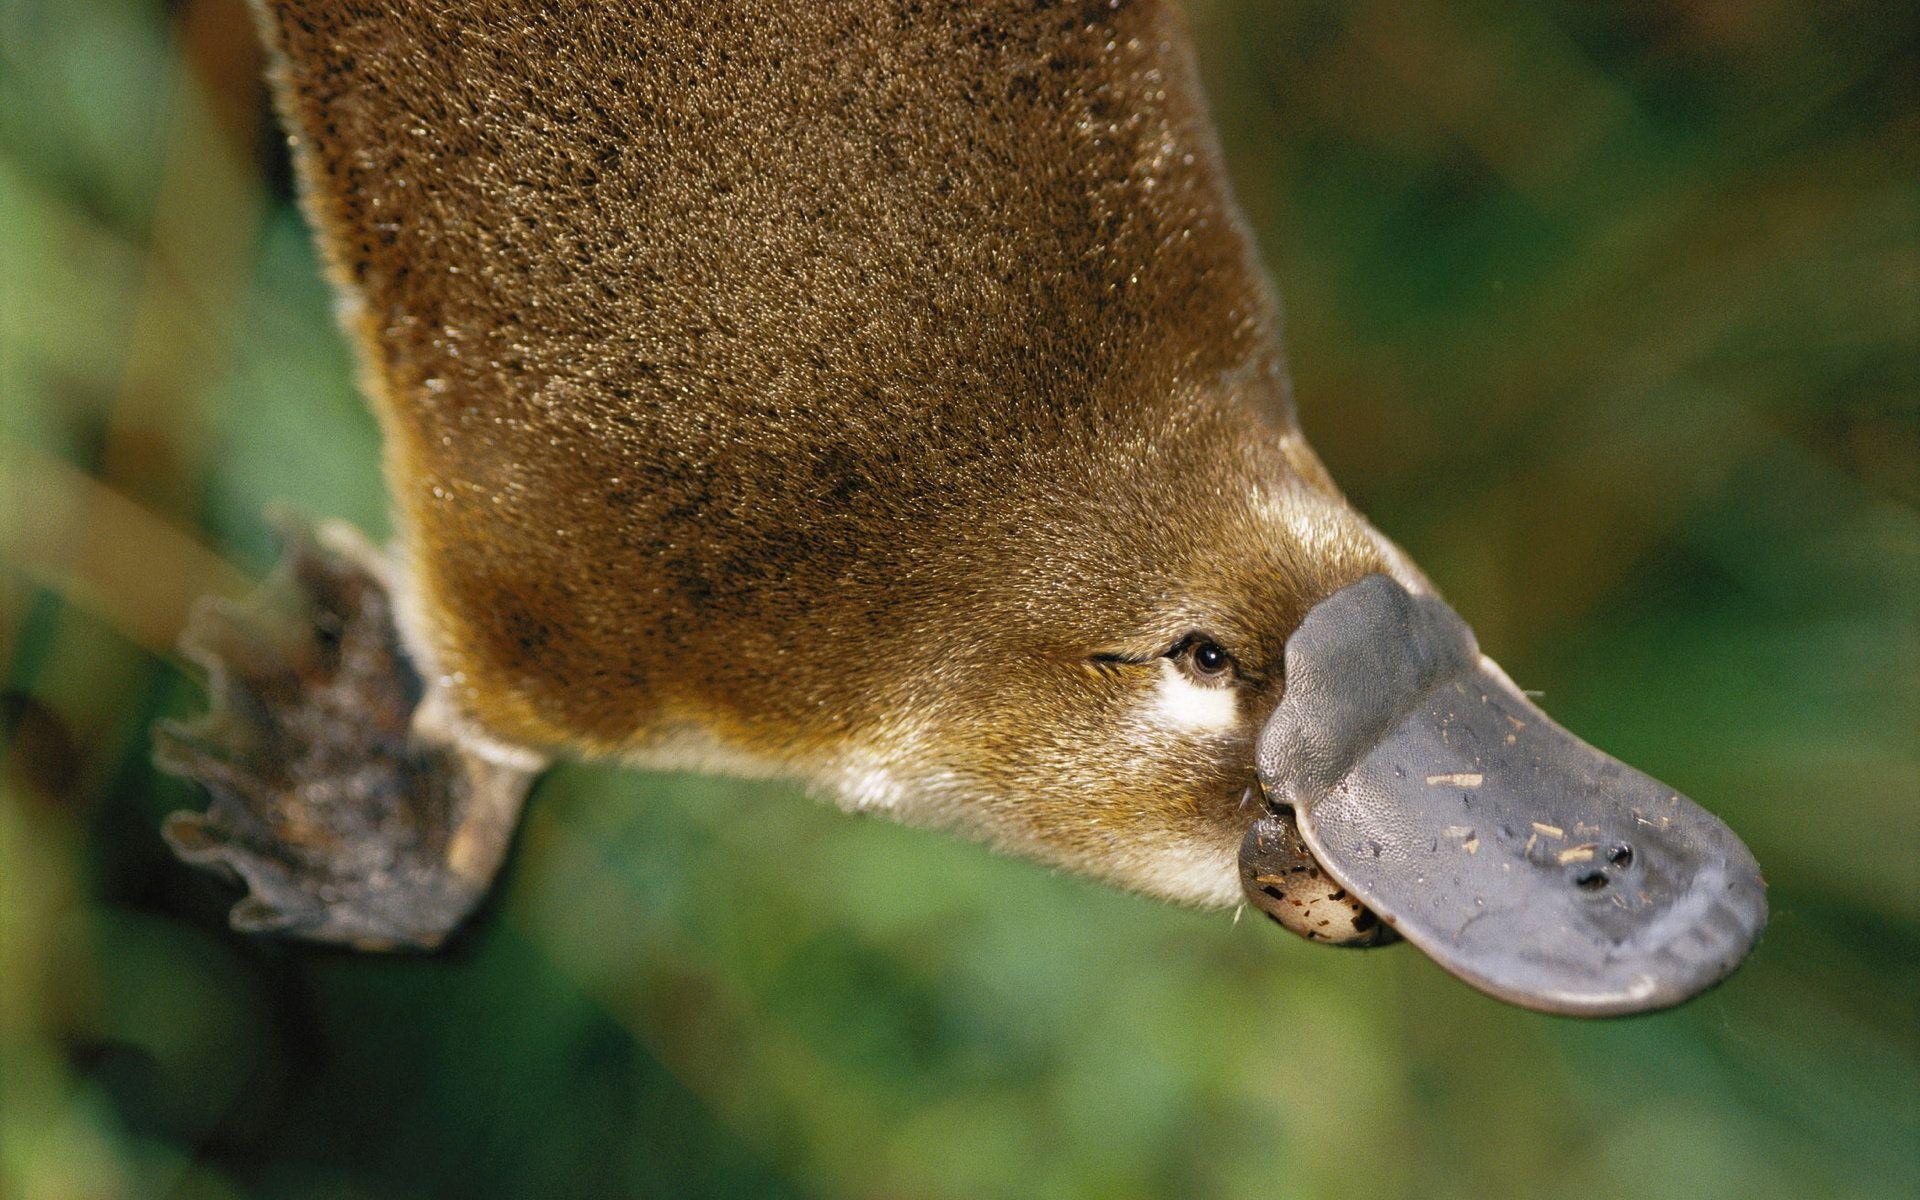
<point x="1208" y="658"/>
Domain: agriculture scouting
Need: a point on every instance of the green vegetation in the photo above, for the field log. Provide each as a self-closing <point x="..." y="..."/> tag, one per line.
<point x="1608" y="311"/>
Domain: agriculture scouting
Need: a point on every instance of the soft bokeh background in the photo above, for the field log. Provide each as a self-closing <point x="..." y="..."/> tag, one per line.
<point x="1606" y="310"/>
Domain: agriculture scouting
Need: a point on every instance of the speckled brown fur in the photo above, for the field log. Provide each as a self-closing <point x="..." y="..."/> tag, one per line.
<point x="821" y="389"/>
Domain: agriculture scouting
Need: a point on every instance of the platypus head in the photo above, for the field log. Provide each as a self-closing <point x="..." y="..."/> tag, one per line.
<point x="1186" y="665"/>
<point x="894" y="399"/>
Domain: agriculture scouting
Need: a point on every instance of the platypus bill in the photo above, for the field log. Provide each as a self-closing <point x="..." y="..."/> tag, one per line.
<point x="884" y="397"/>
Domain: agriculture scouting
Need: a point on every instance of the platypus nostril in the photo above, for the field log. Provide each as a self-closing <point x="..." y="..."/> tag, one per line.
<point x="1621" y="855"/>
<point x="1590" y="881"/>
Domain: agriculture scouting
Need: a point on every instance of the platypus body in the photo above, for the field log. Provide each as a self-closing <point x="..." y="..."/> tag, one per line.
<point x="885" y="396"/>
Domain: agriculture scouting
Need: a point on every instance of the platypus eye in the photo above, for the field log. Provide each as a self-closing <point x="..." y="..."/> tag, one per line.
<point x="1204" y="657"/>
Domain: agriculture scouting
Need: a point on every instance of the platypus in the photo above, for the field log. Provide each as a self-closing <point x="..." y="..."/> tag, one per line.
<point x="883" y="396"/>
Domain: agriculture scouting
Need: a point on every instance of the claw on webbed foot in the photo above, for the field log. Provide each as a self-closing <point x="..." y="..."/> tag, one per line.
<point x="346" y="821"/>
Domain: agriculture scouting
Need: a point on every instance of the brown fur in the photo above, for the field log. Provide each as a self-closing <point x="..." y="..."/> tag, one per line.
<point x="833" y="389"/>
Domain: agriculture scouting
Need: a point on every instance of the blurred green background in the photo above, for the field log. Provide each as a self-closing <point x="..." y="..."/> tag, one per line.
<point x="1606" y="310"/>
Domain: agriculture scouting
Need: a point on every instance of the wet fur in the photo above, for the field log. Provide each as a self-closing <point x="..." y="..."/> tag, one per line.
<point x="859" y="392"/>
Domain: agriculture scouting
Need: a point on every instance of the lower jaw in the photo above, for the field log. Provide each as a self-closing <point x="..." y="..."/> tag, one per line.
<point x="1279" y="877"/>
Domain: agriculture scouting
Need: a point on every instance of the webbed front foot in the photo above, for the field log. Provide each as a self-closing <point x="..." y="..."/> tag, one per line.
<point x="350" y="815"/>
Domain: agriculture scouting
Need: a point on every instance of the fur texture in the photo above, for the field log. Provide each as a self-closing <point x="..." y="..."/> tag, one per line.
<point x="876" y="394"/>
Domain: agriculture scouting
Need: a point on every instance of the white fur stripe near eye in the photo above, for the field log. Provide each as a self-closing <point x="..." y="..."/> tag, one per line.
<point x="1180" y="703"/>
